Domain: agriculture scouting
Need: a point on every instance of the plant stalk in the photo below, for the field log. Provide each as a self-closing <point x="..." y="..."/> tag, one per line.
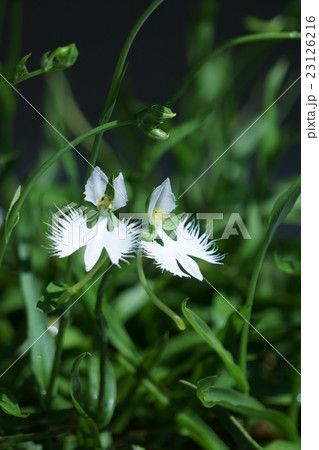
<point x="250" y="38"/>
<point x="157" y="302"/>
<point x="57" y="357"/>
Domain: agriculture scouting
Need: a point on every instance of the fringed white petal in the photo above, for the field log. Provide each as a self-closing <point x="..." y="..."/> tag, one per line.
<point x="188" y="236"/>
<point x="68" y="232"/>
<point x="164" y="256"/>
<point x="163" y="198"/>
<point x="120" y="242"/>
<point x="120" y="194"/>
<point x="95" y="186"/>
<point x="175" y="255"/>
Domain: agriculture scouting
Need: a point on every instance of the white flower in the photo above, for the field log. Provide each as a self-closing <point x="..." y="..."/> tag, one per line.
<point x="95" y="191"/>
<point x="119" y="242"/>
<point x="69" y="230"/>
<point x="162" y="202"/>
<point x="69" y="233"/>
<point x="175" y="255"/>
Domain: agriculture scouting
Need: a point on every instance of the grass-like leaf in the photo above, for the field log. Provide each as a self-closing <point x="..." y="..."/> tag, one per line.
<point x="245" y="405"/>
<point x="207" y="334"/>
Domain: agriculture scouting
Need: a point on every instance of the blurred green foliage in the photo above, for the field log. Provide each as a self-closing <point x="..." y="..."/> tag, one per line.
<point x="118" y="382"/>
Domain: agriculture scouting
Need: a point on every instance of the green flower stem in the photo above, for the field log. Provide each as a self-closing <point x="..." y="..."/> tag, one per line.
<point x="116" y="81"/>
<point x="157" y="302"/>
<point x="102" y="326"/>
<point x="76" y="287"/>
<point x="27" y="76"/>
<point x="250" y="38"/>
<point x="57" y="357"/>
<point x="249" y="305"/>
<point x="30" y="183"/>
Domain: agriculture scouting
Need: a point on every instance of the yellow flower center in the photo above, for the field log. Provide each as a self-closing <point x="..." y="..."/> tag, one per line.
<point x="105" y="202"/>
<point x="158" y="217"/>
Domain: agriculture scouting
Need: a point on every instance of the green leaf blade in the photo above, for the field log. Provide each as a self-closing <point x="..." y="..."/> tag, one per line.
<point x="207" y="334"/>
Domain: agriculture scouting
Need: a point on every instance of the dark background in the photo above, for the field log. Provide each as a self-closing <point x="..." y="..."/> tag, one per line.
<point x="157" y="59"/>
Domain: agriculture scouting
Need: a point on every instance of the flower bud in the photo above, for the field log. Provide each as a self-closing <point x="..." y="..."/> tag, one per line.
<point x="155" y="133"/>
<point x="60" y="58"/>
<point x="150" y="118"/>
<point x="155" y="114"/>
<point x="21" y="69"/>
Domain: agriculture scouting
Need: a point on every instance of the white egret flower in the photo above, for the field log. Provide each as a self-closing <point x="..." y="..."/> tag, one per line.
<point x="162" y="202"/>
<point x="95" y="191"/>
<point x="69" y="231"/>
<point x="176" y="254"/>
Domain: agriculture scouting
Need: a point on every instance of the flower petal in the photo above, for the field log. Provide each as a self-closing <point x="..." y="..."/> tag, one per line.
<point x="68" y="232"/>
<point x="164" y="256"/>
<point x="96" y="244"/>
<point x="95" y="186"/>
<point x="120" y="194"/>
<point x="176" y="254"/>
<point x="119" y="243"/>
<point x="163" y="198"/>
<point x="92" y="255"/>
<point x="196" y="245"/>
<point x="189" y="265"/>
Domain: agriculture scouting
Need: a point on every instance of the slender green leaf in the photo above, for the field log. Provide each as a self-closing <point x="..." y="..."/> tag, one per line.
<point x="195" y="428"/>
<point x="10" y="442"/>
<point x="42" y="350"/>
<point x="207" y="334"/>
<point x="76" y="385"/>
<point x="88" y="433"/>
<point x="282" y="445"/>
<point x="284" y="205"/>
<point x="109" y="394"/>
<point x="236" y="429"/>
<point x="9" y="404"/>
<point x="15" y="198"/>
<point x="243" y="404"/>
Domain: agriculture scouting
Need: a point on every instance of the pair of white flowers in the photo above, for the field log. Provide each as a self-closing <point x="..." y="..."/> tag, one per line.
<point x="171" y="243"/>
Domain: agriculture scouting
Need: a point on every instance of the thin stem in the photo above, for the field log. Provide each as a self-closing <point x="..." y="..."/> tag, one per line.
<point x="30" y="183"/>
<point x="249" y="306"/>
<point x="250" y="38"/>
<point x="76" y="287"/>
<point x="102" y="326"/>
<point x="116" y="81"/>
<point x="57" y="357"/>
<point x="157" y="302"/>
